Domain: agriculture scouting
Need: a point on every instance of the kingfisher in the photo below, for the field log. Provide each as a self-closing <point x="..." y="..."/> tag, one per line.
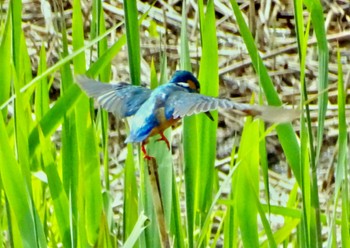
<point x="153" y="111"/>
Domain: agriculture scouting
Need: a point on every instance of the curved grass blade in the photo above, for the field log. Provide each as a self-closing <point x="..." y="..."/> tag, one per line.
<point x="141" y="224"/>
<point x="66" y="103"/>
<point x="65" y="60"/>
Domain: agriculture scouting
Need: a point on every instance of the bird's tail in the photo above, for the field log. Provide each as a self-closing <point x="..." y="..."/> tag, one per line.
<point x="272" y="113"/>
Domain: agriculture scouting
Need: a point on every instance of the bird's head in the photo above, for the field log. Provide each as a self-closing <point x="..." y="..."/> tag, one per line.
<point x="185" y="79"/>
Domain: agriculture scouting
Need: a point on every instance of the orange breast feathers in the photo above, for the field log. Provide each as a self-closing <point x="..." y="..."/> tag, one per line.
<point x="163" y="122"/>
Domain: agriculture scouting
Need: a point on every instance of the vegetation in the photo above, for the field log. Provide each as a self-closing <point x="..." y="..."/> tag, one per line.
<point x="66" y="181"/>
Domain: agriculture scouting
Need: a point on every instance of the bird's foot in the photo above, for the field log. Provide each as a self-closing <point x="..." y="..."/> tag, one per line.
<point x="162" y="137"/>
<point x="148" y="157"/>
<point x="145" y="154"/>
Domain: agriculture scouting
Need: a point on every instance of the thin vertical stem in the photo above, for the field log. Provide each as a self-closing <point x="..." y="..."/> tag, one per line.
<point x="157" y="201"/>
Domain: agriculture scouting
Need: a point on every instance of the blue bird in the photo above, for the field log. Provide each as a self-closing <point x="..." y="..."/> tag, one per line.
<point x="154" y="111"/>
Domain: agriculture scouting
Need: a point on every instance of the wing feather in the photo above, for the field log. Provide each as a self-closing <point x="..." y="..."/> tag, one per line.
<point x="121" y="99"/>
<point x="181" y="104"/>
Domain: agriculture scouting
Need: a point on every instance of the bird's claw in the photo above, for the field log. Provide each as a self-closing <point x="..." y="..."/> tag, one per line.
<point x="143" y="148"/>
<point x="148" y="157"/>
<point x="162" y="137"/>
<point x="145" y="154"/>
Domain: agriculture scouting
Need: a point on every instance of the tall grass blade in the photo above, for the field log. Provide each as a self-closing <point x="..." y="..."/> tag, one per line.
<point x="22" y="115"/>
<point x="151" y="236"/>
<point x="5" y="68"/>
<point x="305" y="144"/>
<point x="78" y="37"/>
<point x="70" y="148"/>
<point x="285" y="132"/>
<point x="105" y="76"/>
<point x="92" y="185"/>
<point x="316" y="11"/>
<point x="15" y="8"/>
<point x="5" y="88"/>
<point x="133" y="40"/>
<point x="163" y="155"/>
<point x="317" y="18"/>
<point x="130" y="194"/>
<point x="58" y="195"/>
<point x="342" y="173"/>
<point x="230" y="225"/>
<point x="190" y="140"/>
<point x="185" y="62"/>
<point x="247" y="183"/>
<point x="177" y="229"/>
<point x="209" y="78"/>
<point x="264" y="163"/>
<point x="42" y="91"/>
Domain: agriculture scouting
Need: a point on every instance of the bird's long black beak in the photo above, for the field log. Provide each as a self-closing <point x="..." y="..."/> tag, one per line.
<point x="209" y="115"/>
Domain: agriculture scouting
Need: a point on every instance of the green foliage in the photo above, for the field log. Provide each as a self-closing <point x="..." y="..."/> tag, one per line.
<point x="285" y="132"/>
<point x="53" y="193"/>
<point x="133" y="39"/>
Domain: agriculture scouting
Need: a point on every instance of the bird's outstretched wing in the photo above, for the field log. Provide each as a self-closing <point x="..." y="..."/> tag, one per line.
<point x="121" y="99"/>
<point x="182" y="104"/>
